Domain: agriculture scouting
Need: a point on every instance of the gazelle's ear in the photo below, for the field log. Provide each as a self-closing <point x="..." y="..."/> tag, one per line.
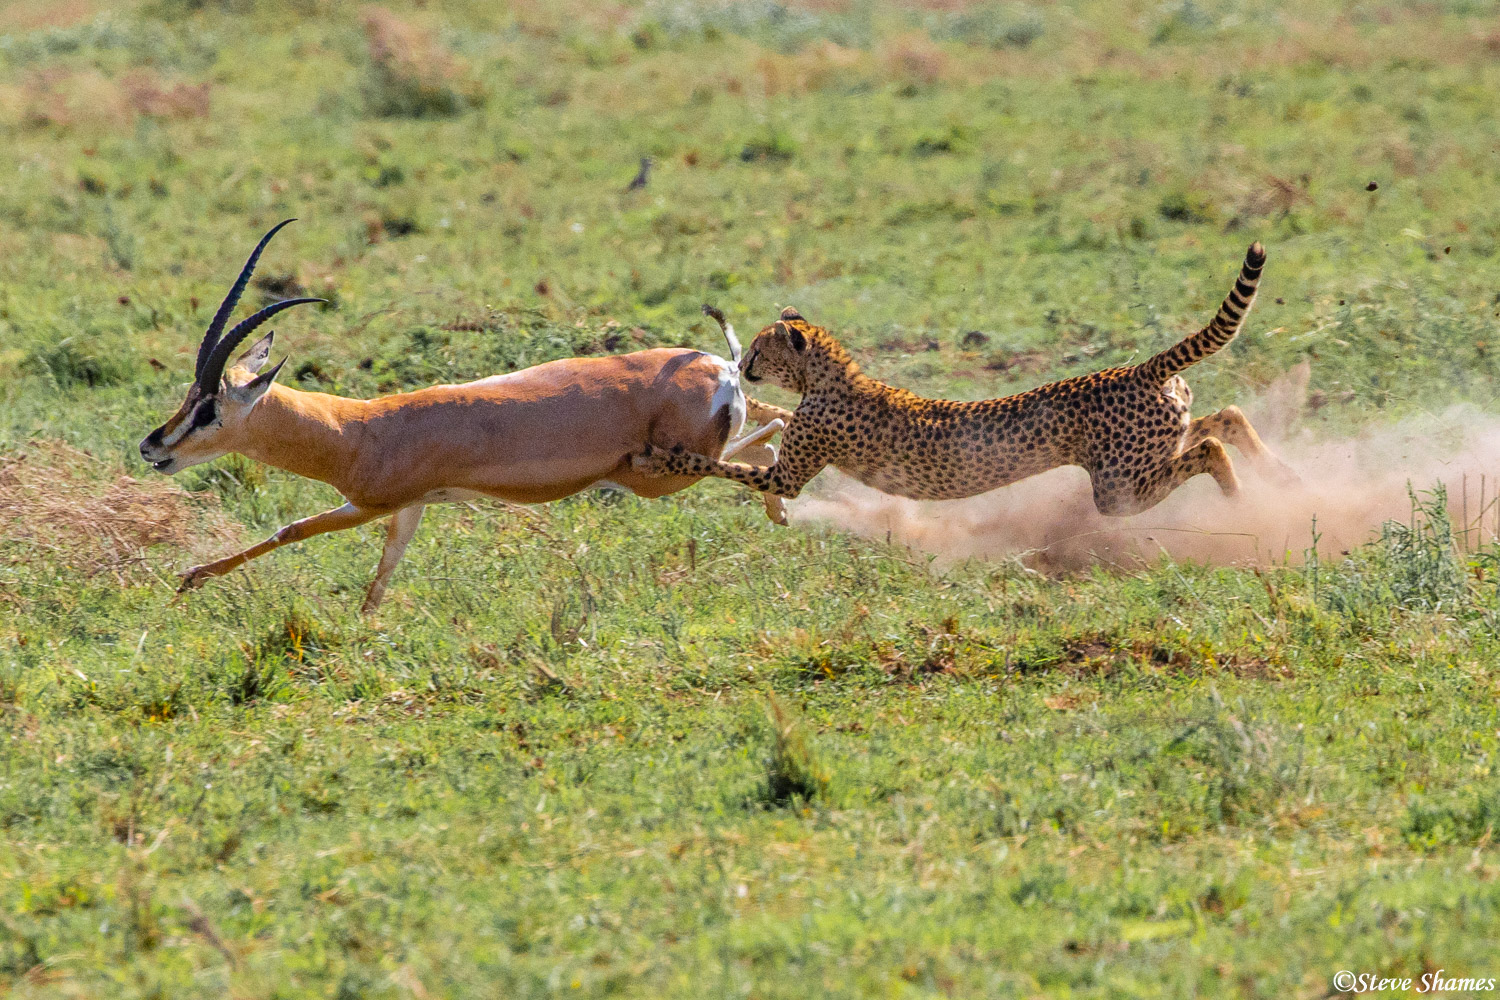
<point x="255" y="358"/>
<point x="256" y="387"/>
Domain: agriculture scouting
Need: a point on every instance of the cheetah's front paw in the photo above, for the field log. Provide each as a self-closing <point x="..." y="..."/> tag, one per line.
<point x="651" y="460"/>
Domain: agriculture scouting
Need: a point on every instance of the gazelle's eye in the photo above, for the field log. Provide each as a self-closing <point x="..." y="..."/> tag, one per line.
<point x="206" y="414"/>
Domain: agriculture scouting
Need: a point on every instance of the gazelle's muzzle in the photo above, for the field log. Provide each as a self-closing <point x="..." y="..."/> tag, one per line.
<point x="155" y="454"/>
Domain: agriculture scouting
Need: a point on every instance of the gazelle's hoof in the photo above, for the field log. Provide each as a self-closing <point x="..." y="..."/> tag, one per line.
<point x="192" y="579"/>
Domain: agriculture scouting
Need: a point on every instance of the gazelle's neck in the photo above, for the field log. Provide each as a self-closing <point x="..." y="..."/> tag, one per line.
<point x="311" y="434"/>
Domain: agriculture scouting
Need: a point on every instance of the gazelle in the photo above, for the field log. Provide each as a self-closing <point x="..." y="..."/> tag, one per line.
<point x="527" y="437"/>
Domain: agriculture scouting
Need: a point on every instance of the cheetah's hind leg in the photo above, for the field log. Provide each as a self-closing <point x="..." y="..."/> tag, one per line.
<point x="1119" y="496"/>
<point x="1231" y="426"/>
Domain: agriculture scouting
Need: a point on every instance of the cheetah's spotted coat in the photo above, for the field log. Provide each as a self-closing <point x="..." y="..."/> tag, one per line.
<point x="1129" y="427"/>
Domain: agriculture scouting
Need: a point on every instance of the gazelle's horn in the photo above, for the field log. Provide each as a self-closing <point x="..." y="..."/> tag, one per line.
<point x="213" y="368"/>
<point x="216" y="326"/>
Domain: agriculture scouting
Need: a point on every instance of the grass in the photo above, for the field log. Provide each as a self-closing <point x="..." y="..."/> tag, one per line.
<point x="613" y="747"/>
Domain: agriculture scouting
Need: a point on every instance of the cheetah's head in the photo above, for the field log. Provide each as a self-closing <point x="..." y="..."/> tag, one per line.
<point x="779" y="353"/>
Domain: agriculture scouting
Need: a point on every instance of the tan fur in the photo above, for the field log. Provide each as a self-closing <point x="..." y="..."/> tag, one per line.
<point x="527" y="437"/>
<point x="1128" y="427"/>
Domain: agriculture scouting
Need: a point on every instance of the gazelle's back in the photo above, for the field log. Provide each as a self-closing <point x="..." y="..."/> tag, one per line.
<point x="547" y="432"/>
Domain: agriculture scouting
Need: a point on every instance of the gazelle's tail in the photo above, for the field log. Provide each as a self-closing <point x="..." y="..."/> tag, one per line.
<point x="734" y="344"/>
<point x="1213" y="337"/>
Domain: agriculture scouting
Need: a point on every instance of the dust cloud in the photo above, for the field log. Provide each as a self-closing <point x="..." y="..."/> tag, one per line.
<point x="1350" y="485"/>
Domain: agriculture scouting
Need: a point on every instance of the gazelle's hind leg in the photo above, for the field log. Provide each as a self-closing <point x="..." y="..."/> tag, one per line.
<point x="753" y="438"/>
<point x="1231" y="426"/>
<point x="398" y="534"/>
<point x="1118" y="496"/>
<point x="750" y="449"/>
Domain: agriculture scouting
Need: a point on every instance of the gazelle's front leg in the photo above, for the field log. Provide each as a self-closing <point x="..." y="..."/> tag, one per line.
<point x="347" y="516"/>
<point x="764" y="413"/>
<point x="752" y="439"/>
<point x="398" y="535"/>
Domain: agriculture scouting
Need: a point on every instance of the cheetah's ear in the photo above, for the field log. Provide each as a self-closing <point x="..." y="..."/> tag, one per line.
<point x="790" y="312"/>
<point x="798" y="340"/>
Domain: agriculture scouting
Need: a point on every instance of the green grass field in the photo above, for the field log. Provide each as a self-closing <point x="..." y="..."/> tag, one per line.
<point x="615" y="747"/>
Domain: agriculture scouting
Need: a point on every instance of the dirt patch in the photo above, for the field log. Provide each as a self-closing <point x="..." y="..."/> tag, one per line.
<point x="1105" y="656"/>
<point x="82" y="514"/>
<point x="1020" y="362"/>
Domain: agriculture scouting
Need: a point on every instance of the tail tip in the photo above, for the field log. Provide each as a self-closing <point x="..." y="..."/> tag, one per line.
<point x="1256" y="255"/>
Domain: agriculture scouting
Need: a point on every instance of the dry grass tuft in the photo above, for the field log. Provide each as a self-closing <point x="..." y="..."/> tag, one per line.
<point x="60" y="97"/>
<point x="148" y="94"/>
<point x="87" y="98"/>
<point x="814" y="68"/>
<point x="19" y="16"/>
<point x="914" y="59"/>
<point x="411" y="74"/>
<point x="66" y="502"/>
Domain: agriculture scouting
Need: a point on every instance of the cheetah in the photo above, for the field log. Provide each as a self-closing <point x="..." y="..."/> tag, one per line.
<point x="1129" y="428"/>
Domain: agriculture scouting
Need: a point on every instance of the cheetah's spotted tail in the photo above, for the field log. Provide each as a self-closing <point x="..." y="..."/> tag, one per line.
<point x="1226" y="323"/>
